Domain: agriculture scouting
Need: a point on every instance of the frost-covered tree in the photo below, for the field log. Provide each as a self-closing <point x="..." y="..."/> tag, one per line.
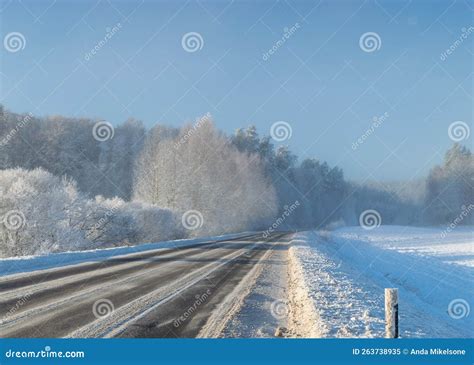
<point x="42" y="213"/>
<point x="37" y="211"/>
<point x="117" y="158"/>
<point x="150" y="164"/>
<point x="450" y="187"/>
<point x="201" y="170"/>
<point x="319" y="189"/>
<point x="66" y="146"/>
<point x="393" y="209"/>
<point x="115" y="222"/>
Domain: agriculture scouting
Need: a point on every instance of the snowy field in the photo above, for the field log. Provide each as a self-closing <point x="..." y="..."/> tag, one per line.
<point x="347" y="270"/>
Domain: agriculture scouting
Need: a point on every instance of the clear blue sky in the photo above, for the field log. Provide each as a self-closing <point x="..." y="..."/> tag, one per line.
<point x="320" y="80"/>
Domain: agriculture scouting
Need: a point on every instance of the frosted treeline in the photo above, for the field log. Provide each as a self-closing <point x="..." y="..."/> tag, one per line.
<point x="44" y="213"/>
<point x="62" y="189"/>
<point x="450" y="188"/>
<point x="327" y="199"/>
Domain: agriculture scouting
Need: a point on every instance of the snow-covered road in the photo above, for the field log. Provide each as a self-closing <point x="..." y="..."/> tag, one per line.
<point x="155" y="293"/>
<point x="345" y="273"/>
<point x="327" y="284"/>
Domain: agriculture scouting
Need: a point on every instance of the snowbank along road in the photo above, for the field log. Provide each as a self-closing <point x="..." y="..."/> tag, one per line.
<point x="172" y="292"/>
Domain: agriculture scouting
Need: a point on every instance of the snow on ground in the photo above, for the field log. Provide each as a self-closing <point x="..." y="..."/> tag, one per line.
<point x="264" y="309"/>
<point x="16" y="265"/>
<point x="450" y="247"/>
<point x="347" y="270"/>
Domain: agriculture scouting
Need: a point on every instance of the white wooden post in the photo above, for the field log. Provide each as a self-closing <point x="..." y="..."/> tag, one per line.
<point x="391" y="313"/>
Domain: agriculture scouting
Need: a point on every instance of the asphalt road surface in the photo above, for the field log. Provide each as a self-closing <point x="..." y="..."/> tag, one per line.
<point x="158" y="293"/>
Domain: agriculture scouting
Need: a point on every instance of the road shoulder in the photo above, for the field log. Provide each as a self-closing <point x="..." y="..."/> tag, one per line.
<point x="263" y="305"/>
